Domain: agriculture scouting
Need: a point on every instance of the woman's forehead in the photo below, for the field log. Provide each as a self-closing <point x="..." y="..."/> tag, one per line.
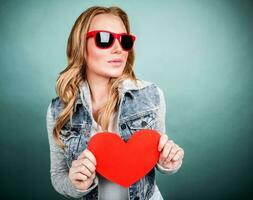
<point x="107" y="22"/>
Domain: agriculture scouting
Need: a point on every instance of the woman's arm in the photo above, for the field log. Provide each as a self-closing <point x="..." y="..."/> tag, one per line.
<point x="162" y="130"/>
<point x="58" y="166"/>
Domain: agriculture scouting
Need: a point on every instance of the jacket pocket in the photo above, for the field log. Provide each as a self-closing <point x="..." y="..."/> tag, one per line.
<point x="143" y="120"/>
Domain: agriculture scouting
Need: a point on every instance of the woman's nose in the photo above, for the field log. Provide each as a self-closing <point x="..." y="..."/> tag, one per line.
<point x="116" y="46"/>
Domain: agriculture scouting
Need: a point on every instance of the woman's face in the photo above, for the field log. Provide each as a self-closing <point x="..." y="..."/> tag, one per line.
<point x="97" y="59"/>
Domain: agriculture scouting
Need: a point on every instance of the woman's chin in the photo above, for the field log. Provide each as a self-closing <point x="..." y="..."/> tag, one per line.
<point x="114" y="73"/>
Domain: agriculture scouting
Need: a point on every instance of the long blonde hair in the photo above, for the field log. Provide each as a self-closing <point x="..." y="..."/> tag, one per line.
<point x="67" y="85"/>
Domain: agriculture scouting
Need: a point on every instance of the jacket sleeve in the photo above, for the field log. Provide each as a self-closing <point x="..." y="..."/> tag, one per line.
<point x="58" y="166"/>
<point x="162" y="130"/>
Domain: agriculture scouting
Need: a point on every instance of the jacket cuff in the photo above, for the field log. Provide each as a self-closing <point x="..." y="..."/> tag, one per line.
<point x="168" y="171"/>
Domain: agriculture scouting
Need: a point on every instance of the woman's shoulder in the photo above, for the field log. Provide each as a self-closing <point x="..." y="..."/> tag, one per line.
<point x="152" y="86"/>
<point x="55" y="106"/>
<point x="152" y="89"/>
<point x="149" y="83"/>
<point x="139" y="84"/>
<point x="143" y="88"/>
<point x="56" y="102"/>
<point x="145" y="83"/>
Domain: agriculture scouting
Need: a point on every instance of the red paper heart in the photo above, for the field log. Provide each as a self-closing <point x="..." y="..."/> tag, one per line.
<point x="122" y="162"/>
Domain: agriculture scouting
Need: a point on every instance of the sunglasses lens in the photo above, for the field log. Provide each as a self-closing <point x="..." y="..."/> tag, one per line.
<point x="104" y="39"/>
<point x="127" y="42"/>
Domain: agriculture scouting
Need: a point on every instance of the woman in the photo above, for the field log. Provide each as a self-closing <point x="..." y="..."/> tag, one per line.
<point x="98" y="91"/>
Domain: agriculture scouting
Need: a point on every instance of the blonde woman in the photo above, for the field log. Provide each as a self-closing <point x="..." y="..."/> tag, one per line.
<point x="98" y="91"/>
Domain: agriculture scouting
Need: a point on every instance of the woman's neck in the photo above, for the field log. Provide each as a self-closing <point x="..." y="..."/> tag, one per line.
<point x="99" y="90"/>
<point x="99" y="93"/>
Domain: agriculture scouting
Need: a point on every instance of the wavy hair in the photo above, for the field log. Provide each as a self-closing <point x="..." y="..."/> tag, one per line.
<point x="69" y="80"/>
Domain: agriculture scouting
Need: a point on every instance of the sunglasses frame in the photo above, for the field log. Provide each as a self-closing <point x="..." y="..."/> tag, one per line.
<point x="115" y="36"/>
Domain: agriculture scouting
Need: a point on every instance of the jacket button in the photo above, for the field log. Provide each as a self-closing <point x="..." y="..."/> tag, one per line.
<point x="137" y="198"/>
<point x="143" y="123"/>
<point x="123" y="126"/>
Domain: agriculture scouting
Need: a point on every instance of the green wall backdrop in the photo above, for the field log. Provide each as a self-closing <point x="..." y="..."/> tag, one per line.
<point x="199" y="52"/>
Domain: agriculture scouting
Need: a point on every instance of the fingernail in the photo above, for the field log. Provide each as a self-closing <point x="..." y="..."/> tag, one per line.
<point x="176" y="158"/>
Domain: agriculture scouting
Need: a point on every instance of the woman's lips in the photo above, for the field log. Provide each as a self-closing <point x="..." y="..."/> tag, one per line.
<point x="116" y="62"/>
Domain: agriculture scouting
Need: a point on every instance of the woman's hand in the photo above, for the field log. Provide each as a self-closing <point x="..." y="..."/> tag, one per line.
<point x="83" y="170"/>
<point x="171" y="155"/>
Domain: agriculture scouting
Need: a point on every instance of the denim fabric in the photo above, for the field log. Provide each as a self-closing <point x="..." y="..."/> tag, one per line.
<point x="141" y="107"/>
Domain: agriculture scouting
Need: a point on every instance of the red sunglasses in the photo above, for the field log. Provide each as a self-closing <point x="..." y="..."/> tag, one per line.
<point x="105" y="39"/>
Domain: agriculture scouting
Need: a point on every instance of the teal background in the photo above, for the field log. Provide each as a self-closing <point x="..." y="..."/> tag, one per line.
<point x="199" y="52"/>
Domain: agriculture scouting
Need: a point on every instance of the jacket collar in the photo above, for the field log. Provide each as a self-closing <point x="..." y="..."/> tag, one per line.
<point x="126" y="86"/>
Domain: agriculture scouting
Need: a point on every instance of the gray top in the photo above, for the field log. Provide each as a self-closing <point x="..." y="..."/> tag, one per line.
<point x="105" y="186"/>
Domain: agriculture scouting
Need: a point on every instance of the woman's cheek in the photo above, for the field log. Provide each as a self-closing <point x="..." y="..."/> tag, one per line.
<point x="96" y="58"/>
<point x="125" y="57"/>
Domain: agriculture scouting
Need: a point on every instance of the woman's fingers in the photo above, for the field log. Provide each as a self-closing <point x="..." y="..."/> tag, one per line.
<point x="162" y="141"/>
<point x="79" y="176"/>
<point x="88" y="154"/>
<point x="173" y="152"/>
<point x="172" y="165"/>
<point x="79" y="164"/>
<point x="179" y="155"/>
<point x="81" y="182"/>
<point x="166" y="151"/>
<point x="90" y="166"/>
<point x="86" y="158"/>
<point x="82" y="169"/>
<point x="175" y="155"/>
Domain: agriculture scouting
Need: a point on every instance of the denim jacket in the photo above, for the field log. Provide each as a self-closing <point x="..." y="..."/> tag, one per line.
<point x="141" y="107"/>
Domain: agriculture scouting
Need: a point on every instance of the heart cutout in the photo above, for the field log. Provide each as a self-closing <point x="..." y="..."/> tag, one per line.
<point x="122" y="162"/>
